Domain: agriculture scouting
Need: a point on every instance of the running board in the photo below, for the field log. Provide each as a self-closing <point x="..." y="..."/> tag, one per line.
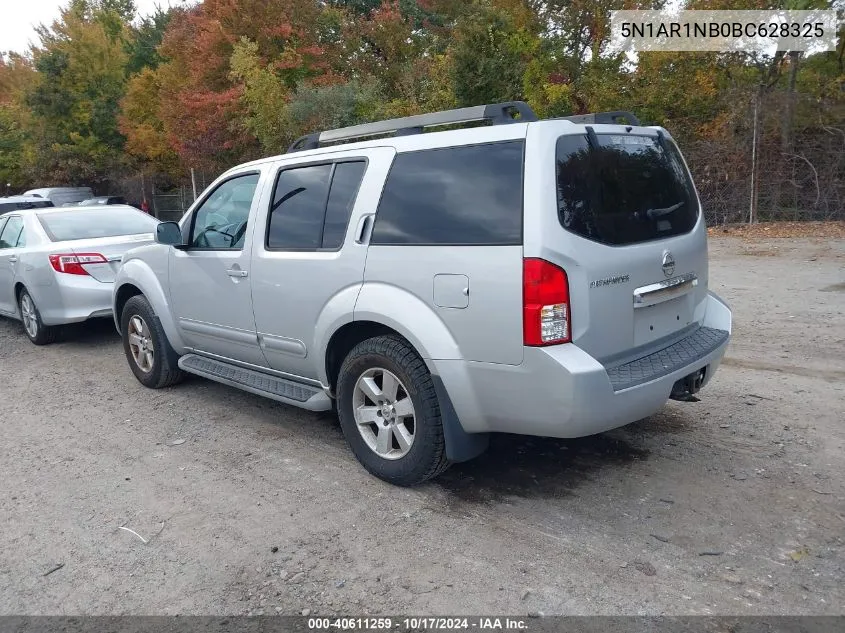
<point x="287" y="391"/>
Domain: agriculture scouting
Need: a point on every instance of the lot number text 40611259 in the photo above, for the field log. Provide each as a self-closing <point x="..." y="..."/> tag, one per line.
<point x="417" y="623"/>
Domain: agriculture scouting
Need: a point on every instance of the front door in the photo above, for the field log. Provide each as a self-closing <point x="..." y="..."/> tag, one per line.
<point x="210" y="279"/>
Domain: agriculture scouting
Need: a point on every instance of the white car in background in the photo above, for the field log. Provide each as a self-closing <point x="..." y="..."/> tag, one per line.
<point x="62" y="195"/>
<point x="57" y="265"/>
<point x="18" y="203"/>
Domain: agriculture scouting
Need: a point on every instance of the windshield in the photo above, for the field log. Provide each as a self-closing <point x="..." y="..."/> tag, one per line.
<point x="79" y="224"/>
<point x="623" y="188"/>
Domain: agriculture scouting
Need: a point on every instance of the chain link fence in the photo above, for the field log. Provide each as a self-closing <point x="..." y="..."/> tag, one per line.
<point x="806" y="182"/>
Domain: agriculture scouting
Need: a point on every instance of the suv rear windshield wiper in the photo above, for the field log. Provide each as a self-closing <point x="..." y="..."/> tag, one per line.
<point x="656" y="213"/>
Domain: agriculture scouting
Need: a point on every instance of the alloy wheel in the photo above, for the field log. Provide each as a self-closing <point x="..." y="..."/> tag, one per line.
<point x="384" y="413"/>
<point x="29" y="316"/>
<point x="140" y="344"/>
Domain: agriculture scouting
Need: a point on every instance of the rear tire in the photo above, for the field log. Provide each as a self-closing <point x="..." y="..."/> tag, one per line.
<point x="389" y="412"/>
<point x="33" y="326"/>
<point x="145" y="344"/>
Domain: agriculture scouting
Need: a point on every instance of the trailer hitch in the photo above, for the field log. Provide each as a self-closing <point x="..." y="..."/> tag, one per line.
<point x="685" y="388"/>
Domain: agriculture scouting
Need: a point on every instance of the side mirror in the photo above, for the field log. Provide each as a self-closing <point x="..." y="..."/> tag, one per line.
<point x="169" y="233"/>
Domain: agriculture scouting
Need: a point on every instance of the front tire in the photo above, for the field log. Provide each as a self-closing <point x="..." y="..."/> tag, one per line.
<point x="33" y="326"/>
<point x="389" y="412"/>
<point x="145" y="344"/>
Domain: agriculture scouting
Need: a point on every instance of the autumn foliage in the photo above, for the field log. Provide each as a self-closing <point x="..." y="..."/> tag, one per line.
<point x="106" y="93"/>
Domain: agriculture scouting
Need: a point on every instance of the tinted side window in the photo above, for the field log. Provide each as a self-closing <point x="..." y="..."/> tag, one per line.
<point x="345" y="182"/>
<point x="221" y="221"/>
<point x="623" y="190"/>
<point x="299" y="202"/>
<point x="11" y="232"/>
<point x="457" y="195"/>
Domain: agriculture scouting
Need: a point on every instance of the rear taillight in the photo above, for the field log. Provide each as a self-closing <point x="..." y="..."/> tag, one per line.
<point x="545" y="303"/>
<point x="72" y="264"/>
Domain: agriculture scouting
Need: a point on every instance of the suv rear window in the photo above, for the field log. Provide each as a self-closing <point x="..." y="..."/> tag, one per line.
<point x="623" y="188"/>
<point x="468" y="195"/>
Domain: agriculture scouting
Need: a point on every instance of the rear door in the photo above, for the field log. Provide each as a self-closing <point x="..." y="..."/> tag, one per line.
<point x="312" y="248"/>
<point x="616" y="208"/>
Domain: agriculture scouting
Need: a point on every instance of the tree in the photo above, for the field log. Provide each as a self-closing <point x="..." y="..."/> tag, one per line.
<point x="16" y="76"/>
<point x="227" y="64"/>
<point x="681" y="91"/>
<point x="140" y="121"/>
<point x="146" y="37"/>
<point x="490" y="56"/>
<point x="81" y="76"/>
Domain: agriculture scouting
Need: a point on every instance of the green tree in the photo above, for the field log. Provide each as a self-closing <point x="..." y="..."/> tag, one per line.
<point x="81" y="76"/>
<point x="490" y="56"/>
<point x="16" y="76"/>
<point x="142" y="45"/>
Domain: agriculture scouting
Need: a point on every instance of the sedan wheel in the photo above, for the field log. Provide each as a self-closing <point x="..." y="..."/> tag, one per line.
<point x="30" y="320"/>
<point x="140" y="344"/>
<point x="34" y="327"/>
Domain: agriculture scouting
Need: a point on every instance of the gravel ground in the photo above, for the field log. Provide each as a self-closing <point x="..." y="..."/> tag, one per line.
<point x="731" y="505"/>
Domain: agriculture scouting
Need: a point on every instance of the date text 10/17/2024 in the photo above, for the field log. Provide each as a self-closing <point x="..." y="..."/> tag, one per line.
<point x="428" y="623"/>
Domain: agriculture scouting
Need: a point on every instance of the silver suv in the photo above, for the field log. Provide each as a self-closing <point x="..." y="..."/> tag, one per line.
<point x="536" y="277"/>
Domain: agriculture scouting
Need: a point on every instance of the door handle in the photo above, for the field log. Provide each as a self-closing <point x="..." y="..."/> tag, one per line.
<point x="13" y="259"/>
<point x="235" y="272"/>
<point x="363" y="229"/>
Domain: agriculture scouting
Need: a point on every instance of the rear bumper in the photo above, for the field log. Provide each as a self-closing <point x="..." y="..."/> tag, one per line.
<point x="562" y="391"/>
<point x="73" y="298"/>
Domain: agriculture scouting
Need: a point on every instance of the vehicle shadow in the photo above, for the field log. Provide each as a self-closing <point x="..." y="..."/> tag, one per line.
<point x="514" y="466"/>
<point x="93" y="332"/>
<point x="537" y="467"/>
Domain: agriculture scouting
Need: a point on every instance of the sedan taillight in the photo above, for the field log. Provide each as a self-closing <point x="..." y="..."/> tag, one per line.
<point x="72" y="263"/>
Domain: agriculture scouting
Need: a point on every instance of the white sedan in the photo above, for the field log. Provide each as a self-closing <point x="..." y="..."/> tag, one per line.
<point x="57" y="265"/>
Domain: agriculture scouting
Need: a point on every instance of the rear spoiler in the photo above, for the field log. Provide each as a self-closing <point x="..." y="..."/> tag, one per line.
<point x="604" y="117"/>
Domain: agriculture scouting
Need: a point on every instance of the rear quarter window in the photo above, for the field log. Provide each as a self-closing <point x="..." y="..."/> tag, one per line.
<point x="623" y="188"/>
<point x="468" y="195"/>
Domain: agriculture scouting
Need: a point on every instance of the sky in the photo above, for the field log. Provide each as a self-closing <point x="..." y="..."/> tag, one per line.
<point x="20" y="17"/>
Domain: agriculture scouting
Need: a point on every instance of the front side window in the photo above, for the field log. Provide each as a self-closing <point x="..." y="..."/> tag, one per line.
<point x="623" y="188"/>
<point x="12" y="232"/>
<point x="468" y="195"/>
<point x="220" y="222"/>
<point x="312" y="205"/>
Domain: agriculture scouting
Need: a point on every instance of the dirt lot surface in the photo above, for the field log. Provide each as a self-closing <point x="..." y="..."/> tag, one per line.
<point x="731" y="505"/>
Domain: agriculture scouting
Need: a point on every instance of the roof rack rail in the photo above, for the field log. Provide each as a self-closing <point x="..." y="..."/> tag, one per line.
<point x="604" y="117"/>
<point x="496" y="113"/>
